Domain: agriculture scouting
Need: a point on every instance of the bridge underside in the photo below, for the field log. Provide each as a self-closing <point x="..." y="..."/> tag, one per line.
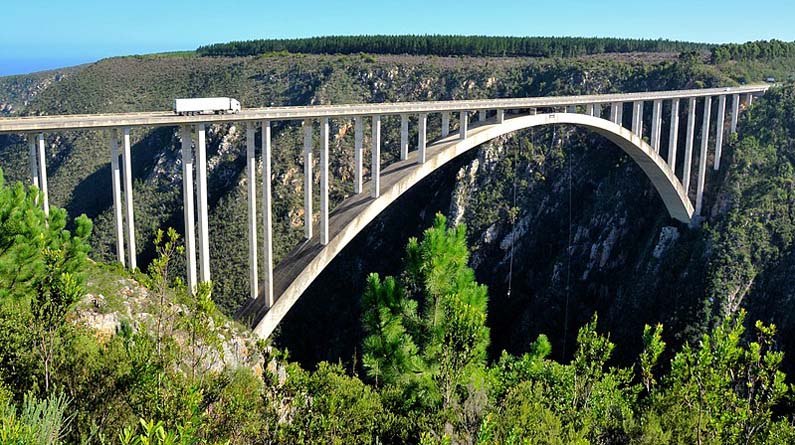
<point x="294" y="273"/>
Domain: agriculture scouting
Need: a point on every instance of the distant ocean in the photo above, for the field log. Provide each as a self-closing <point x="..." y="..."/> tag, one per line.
<point x="9" y="67"/>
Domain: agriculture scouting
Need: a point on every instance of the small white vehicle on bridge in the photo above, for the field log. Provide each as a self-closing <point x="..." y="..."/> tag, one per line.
<point x="206" y="105"/>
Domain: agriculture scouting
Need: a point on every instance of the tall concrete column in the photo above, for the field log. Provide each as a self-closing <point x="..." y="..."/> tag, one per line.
<point x="376" y="151"/>
<point x="702" y="159"/>
<point x="358" y="153"/>
<point x="463" y="124"/>
<point x="735" y="111"/>
<point x="307" y="179"/>
<point x="267" y="219"/>
<point x="637" y="118"/>
<point x="750" y="99"/>
<point x="597" y="110"/>
<point x="422" y="137"/>
<point x="589" y="109"/>
<point x="187" y="205"/>
<point x="404" y="137"/>
<point x="445" y="124"/>
<point x="656" y="125"/>
<point x="691" y="128"/>
<point x="721" y="123"/>
<point x="203" y="203"/>
<point x="128" y="198"/>
<point x="617" y="113"/>
<point x="673" y="135"/>
<point x="251" y="169"/>
<point x="33" y="164"/>
<point x="43" y="174"/>
<point x="324" y="181"/>
<point x="500" y="116"/>
<point x="115" y="180"/>
<point x="482" y="116"/>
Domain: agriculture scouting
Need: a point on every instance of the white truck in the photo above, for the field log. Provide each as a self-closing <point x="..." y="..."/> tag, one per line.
<point x="206" y="105"/>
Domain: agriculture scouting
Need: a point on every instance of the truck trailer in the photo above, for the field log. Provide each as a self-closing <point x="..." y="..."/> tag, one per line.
<point x="206" y="105"/>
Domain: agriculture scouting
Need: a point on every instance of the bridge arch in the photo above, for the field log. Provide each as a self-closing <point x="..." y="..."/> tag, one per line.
<point x="294" y="274"/>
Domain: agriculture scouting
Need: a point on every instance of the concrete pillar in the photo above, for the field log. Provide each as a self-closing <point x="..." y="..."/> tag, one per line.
<point x="532" y="111"/>
<point x="267" y="219"/>
<point x="376" y="150"/>
<point x="673" y="135"/>
<point x="33" y="164"/>
<point x="463" y="124"/>
<point x="422" y="138"/>
<point x="656" y="125"/>
<point x="324" y="181"/>
<point x="482" y="116"/>
<point x="404" y="137"/>
<point x="702" y="159"/>
<point x="637" y="118"/>
<point x="445" y="124"/>
<point x="589" y="109"/>
<point x="187" y="207"/>
<point x="128" y="197"/>
<point x="500" y="116"/>
<point x="42" y="158"/>
<point x="735" y="111"/>
<point x="115" y="180"/>
<point x="571" y="109"/>
<point x="202" y="203"/>
<point x="691" y="127"/>
<point x="750" y="99"/>
<point x="307" y="179"/>
<point x="251" y="169"/>
<point x="719" y="126"/>
<point x="617" y="113"/>
<point x="358" y="153"/>
<point x="597" y="110"/>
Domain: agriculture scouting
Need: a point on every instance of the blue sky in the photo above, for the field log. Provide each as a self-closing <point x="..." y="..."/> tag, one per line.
<point x="38" y="34"/>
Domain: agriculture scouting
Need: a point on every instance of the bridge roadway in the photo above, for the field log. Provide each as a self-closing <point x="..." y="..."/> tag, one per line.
<point x="167" y="118"/>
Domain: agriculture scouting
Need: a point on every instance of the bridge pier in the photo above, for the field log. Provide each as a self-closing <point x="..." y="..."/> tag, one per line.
<point x="463" y="124"/>
<point x="187" y="205"/>
<point x="128" y="195"/>
<point x="376" y="150"/>
<point x="324" y="181"/>
<point x="702" y="160"/>
<point x="33" y="163"/>
<point x="735" y="112"/>
<point x="404" y="136"/>
<point x="307" y="126"/>
<point x="482" y="116"/>
<point x="422" y="138"/>
<point x="617" y="113"/>
<point x="445" y="124"/>
<point x="691" y="128"/>
<point x="719" y="128"/>
<point x="267" y="220"/>
<point x="43" y="174"/>
<point x="597" y="110"/>
<point x="637" y="118"/>
<point x="750" y="99"/>
<point x="673" y="135"/>
<point x="115" y="179"/>
<point x="251" y="169"/>
<point x="589" y="109"/>
<point x="201" y="201"/>
<point x="358" y="153"/>
<point x="656" y="125"/>
<point x="500" y="116"/>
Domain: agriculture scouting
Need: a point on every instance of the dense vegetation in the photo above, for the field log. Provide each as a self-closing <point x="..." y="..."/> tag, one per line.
<point x="449" y="45"/>
<point x="759" y="50"/>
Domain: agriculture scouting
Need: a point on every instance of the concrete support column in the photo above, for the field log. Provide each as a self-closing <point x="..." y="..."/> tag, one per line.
<point x="656" y="125"/>
<point x="422" y="138"/>
<point x="128" y="196"/>
<point x="719" y="126"/>
<point x="115" y="180"/>
<point x="702" y="159"/>
<point x="404" y="137"/>
<point x="187" y="205"/>
<point x="251" y="169"/>
<point x="735" y="111"/>
<point x="532" y="111"/>
<point x="571" y="109"/>
<point x="445" y="124"/>
<point x="617" y="113"/>
<point x="597" y="110"/>
<point x="482" y="116"/>
<point x="500" y="116"/>
<point x="267" y="219"/>
<point x="324" y="181"/>
<point x="750" y="99"/>
<point x="43" y="174"/>
<point x="358" y="153"/>
<point x="637" y="118"/>
<point x="463" y="124"/>
<point x="589" y="109"/>
<point x="673" y="135"/>
<point x="203" y="203"/>
<point x="376" y="150"/>
<point x="691" y="128"/>
<point x="33" y="164"/>
<point x="307" y="178"/>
